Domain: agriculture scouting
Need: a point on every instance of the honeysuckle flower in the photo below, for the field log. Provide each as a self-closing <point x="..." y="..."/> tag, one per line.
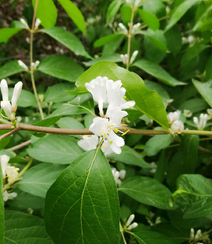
<point x="24" y="23"/>
<point x="115" y="114"/>
<point x="34" y="65"/>
<point x="129" y="221"/>
<point x="97" y="87"/>
<point x="23" y="65"/>
<point x="187" y="113"/>
<point x="12" y="174"/>
<point x="173" y="116"/>
<point x="118" y="176"/>
<point x="37" y="23"/>
<point x="4" y="159"/>
<point x="89" y="142"/>
<point x="9" y="108"/>
<point x="201" y="122"/>
<point x="176" y="127"/>
<point x="106" y="149"/>
<point x="135" y="53"/>
<point x="8" y="196"/>
<point x="123" y="28"/>
<point x="135" y="28"/>
<point x="198" y="237"/>
<point x="124" y="58"/>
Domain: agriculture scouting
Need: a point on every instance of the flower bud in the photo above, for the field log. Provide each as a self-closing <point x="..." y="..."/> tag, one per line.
<point x="23" y="65"/>
<point x="16" y="95"/>
<point x="4" y="90"/>
<point x="37" y="23"/>
<point x="132" y="226"/>
<point x="24" y="23"/>
<point x="130" y="219"/>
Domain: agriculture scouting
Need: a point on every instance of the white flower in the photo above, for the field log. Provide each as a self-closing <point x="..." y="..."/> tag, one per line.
<point x="23" y="65"/>
<point x="173" y="116"/>
<point x="100" y="126"/>
<point x="135" y="53"/>
<point x="9" y="108"/>
<point x="24" y="23"/>
<point x="124" y="58"/>
<point x="106" y="149"/>
<point x="202" y="122"/>
<point x="176" y="127"/>
<point x="37" y="23"/>
<point x="187" y="113"/>
<point x="88" y="142"/>
<point x="129" y="221"/>
<point x="123" y="28"/>
<point x="16" y="94"/>
<point x="122" y="174"/>
<point x="4" y="159"/>
<point x="12" y="174"/>
<point x="34" y="65"/>
<point x="116" y="114"/>
<point x="8" y="196"/>
<point x="132" y="226"/>
<point x="118" y="176"/>
<point x="135" y="28"/>
<point x="97" y="87"/>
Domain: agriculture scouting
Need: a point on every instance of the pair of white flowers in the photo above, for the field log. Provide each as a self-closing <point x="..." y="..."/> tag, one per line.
<point x="9" y="172"/>
<point x="10" y="108"/>
<point x="107" y="91"/>
<point x="176" y="125"/>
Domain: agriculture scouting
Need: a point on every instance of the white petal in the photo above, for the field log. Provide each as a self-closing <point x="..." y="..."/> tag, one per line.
<point x="12" y="173"/>
<point x="4" y="90"/>
<point x="7" y="107"/>
<point x="16" y="94"/>
<point x="116" y="115"/>
<point x="100" y="126"/>
<point x="89" y="142"/>
<point x="4" y="159"/>
<point x="22" y="64"/>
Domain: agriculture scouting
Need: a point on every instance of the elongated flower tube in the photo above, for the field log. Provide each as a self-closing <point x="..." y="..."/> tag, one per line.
<point x="23" y="65"/>
<point x="7" y="107"/>
<point x="4" y="159"/>
<point x="201" y="122"/>
<point x="16" y="95"/>
<point x="4" y="90"/>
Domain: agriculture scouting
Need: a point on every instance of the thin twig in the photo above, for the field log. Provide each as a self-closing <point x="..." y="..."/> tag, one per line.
<point x="9" y="133"/>
<point x="122" y="233"/>
<point x="23" y="144"/>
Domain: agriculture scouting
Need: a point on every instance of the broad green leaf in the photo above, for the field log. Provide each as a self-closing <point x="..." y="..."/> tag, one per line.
<point x="46" y="12"/>
<point x="156" y="71"/>
<point x="194" y="196"/>
<point x="179" y="12"/>
<point x="57" y="149"/>
<point x="5" y="141"/>
<point x="156" y="143"/>
<point x="146" y="101"/>
<point x="1" y="208"/>
<point x="9" y="69"/>
<point x="156" y="37"/>
<point x="25" y="228"/>
<point x="155" y="7"/>
<point x="82" y="205"/>
<point x="150" y="237"/>
<point x="6" y="33"/>
<point x="103" y="40"/>
<point x="112" y="10"/>
<point x="205" y="89"/>
<point x="115" y="57"/>
<point x="126" y="13"/>
<point x="130" y="156"/>
<point x="74" y="13"/>
<point x="147" y="190"/>
<point x="70" y="123"/>
<point x="24" y="201"/>
<point x="150" y="19"/>
<point x="47" y="121"/>
<point x="70" y="109"/>
<point x="194" y="105"/>
<point x="26" y="98"/>
<point x="39" y="178"/>
<point x="61" y="67"/>
<point x="57" y="94"/>
<point x="111" y="47"/>
<point x="174" y="39"/>
<point x="67" y="39"/>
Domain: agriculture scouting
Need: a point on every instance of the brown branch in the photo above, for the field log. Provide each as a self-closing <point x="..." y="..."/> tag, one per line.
<point x="9" y="133"/>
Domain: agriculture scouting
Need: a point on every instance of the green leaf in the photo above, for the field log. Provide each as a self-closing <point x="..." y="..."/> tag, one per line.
<point x="57" y="94"/>
<point x="74" y="13"/>
<point x="155" y="7"/>
<point x="26" y="98"/>
<point x="39" y="178"/>
<point x="103" y="40"/>
<point x="130" y="157"/>
<point x="57" y="149"/>
<point x="208" y="70"/>
<point x="156" y="71"/>
<point x="194" y="196"/>
<point x="179" y="12"/>
<point x="202" y="19"/>
<point x="156" y="37"/>
<point x="84" y="201"/>
<point x="10" y="68"/>
<point x="156" y="143"/>
<point x="115" y="57"/>
<point x="205" y="89"/>
<point x="67" y="39"/>
<point x="147" y="102"/>
<point x="147" y="190"/>
<point x="150" y="19"/>
<point x="46" y="12"/>
<point x="61" y="67"/>
<point x="174" y="39"/>
<point x="194" y="105"/>
<point x="150" y="237"/>
<point x="112" y="10"/>
<point x="6" y="33"/>
<point x="1" y="208"/>
<point x="70" y="109"/>
<point x="69" y="123"/>
<point x="24" y="228"/>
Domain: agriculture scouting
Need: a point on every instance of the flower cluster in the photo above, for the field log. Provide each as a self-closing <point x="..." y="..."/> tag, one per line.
<point x="119" y="176"/>
<point x="201" y="122"/>
<point x="176" y="126"/>
<point x="125" y="57"/>
<point x="107" y="91"/>
<point x="129" y="223"/>
<point x="199" y="237"/>
<point x="9" y="174"/>
<point x="10" y="108"/>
